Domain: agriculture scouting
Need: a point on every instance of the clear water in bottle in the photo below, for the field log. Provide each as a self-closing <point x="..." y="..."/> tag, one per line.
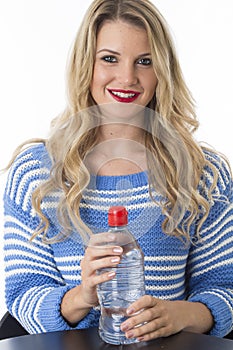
<point x="116" y="295"/>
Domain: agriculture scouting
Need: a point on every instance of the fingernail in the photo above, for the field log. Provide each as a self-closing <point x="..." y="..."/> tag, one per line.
<point x="130" y="311"/>
<point x="124" y="327"/>
<point x="111" y="274"/>
<point x="140" y="339"/>
<point x="115" y="260"/>
<point x="117" y="250"/>
<point x="129" y="334"/>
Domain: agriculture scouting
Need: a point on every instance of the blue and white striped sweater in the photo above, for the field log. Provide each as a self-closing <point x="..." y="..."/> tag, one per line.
<point x="38" y="275"/>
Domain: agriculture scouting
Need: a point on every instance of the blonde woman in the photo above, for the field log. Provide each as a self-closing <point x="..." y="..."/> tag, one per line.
<point x="125" y="138"/>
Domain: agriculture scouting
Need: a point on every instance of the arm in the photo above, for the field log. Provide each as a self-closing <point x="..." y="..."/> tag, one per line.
<point x="36" y="292"/>
<point x="209" y="279"/>
<point x="34" y="286"/>
<point x="80" y="299"/>
<point x="210" y="266"/>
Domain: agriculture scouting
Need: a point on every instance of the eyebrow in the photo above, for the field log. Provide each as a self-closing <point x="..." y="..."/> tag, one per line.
<point x="108" y="50"/>
<point x="117" y="53"/>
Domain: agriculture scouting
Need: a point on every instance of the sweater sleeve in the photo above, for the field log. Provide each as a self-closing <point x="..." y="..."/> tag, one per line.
<point x="210" y="265"/>
<point x="34" y="286"/>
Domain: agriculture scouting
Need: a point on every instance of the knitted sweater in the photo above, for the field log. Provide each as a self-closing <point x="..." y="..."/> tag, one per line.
<point x="39" y="274"/>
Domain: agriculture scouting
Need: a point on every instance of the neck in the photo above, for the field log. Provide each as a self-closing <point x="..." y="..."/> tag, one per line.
<point x="121" y="131"/>
<point x="120" y="150"/>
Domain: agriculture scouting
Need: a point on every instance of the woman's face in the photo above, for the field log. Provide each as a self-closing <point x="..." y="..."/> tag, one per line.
<point x="123" y="70"/>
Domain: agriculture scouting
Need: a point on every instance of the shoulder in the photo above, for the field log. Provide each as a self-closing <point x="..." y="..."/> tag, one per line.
<point x="29" y="169"/>
<point x="34" y="159"/>
<point x="216" y="175"/>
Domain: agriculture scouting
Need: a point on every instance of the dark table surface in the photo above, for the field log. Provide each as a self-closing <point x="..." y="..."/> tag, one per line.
<point x="89" y="340"/>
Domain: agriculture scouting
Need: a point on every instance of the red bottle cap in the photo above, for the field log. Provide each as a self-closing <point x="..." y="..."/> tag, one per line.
<point x="117" y="216"/>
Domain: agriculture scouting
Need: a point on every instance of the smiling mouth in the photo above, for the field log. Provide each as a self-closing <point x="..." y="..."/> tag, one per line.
<point x="124" y="96"/>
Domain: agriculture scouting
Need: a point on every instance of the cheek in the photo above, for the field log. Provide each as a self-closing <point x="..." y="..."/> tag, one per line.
<point x="100" y="77"/>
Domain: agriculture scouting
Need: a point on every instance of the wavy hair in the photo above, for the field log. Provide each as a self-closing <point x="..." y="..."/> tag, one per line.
<point x="174" y="152"/>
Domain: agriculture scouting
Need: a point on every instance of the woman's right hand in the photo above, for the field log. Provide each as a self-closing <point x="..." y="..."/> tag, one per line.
<point x="100" y="253"/>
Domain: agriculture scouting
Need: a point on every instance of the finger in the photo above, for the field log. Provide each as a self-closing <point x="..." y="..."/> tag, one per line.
<point x="158" y="333"/>
<point x="145" y="316"/>
<point x="104" y="263"/>
<point x="93" y="253"/>
<point x="92" y="282"/>
<point x="146" y="301"/>
<point x="153" y="328"/>
<point x="90" y="268"/>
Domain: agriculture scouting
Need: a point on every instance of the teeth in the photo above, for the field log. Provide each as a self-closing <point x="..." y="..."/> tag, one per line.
<point x="123" y="95"/>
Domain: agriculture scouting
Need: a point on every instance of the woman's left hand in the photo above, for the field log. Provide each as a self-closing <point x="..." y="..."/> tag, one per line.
<point x="153" y="318"/>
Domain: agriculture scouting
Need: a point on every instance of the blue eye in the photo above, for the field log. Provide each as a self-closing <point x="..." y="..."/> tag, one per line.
<point x="145" y="61"/>
<point x="109" y="59"/>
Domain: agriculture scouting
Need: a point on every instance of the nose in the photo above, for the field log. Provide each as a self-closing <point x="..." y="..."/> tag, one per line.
<point x="127" y="74"/>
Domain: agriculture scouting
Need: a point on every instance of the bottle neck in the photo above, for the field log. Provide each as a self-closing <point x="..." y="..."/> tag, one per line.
<point x="118" y="228"/>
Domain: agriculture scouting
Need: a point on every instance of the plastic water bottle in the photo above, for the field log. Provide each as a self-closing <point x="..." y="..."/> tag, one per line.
<point x="127" y="285"/>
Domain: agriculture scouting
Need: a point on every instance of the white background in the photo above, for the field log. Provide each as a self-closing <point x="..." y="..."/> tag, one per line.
<point x="36" y="36"/>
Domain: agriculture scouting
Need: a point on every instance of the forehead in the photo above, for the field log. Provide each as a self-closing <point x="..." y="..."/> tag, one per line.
<point x="121" y="33"/>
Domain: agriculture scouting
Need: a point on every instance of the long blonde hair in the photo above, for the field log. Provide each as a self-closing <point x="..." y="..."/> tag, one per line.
<point x="172" y="102"/>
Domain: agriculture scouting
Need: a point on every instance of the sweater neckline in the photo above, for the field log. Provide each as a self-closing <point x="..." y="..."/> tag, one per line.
<point x="112" y="182"/>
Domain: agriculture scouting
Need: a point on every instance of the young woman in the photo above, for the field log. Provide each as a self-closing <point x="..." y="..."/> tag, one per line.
<point x="125" y="138"/>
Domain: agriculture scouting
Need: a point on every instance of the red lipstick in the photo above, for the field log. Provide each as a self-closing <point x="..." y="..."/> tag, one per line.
<point x="124" y="96"/>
